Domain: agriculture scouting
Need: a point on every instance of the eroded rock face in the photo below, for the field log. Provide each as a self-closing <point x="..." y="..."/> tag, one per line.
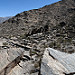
<point x="57" y="63"/>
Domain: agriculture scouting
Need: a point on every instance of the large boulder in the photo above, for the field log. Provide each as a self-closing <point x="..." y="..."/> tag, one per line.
<point x="57" y="63"/>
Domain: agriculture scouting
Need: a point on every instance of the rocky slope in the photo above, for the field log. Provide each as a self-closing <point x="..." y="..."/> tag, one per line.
<point x="51" y="26"/>
<point x="57" y="21"/>
<point x="49" y="16"/>
<point x="2" y="19"/>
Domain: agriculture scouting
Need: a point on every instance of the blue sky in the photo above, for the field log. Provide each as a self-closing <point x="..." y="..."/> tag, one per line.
<point x="13" y="7"/>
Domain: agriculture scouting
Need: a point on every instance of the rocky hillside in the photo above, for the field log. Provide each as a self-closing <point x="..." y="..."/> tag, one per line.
<point x="56" y="21"/>
<point x="34" y="30"/>
<point x="50" y="16"/>
<point x="2" y="19"/>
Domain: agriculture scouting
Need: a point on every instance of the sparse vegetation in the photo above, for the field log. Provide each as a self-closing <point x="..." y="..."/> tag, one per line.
<point x="5" y="43"/>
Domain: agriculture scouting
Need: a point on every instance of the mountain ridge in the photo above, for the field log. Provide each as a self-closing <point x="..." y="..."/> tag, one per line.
<point x="56" y="20"/>
<point x="47" y="12"/>
<point x="2" y="19"/>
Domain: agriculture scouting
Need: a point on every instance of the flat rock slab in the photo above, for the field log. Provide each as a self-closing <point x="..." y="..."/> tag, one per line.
<point x="55" y="62"/>
<point x="7" y="57"/>
<point x="24" y="67"/>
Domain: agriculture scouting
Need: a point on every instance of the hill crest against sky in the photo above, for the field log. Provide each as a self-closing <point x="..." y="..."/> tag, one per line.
<point x="13" y="7"/>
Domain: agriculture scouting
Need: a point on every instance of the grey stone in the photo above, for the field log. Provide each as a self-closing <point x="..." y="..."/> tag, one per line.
<point x="9" y="58"/>
<point x="55" y="62"/>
